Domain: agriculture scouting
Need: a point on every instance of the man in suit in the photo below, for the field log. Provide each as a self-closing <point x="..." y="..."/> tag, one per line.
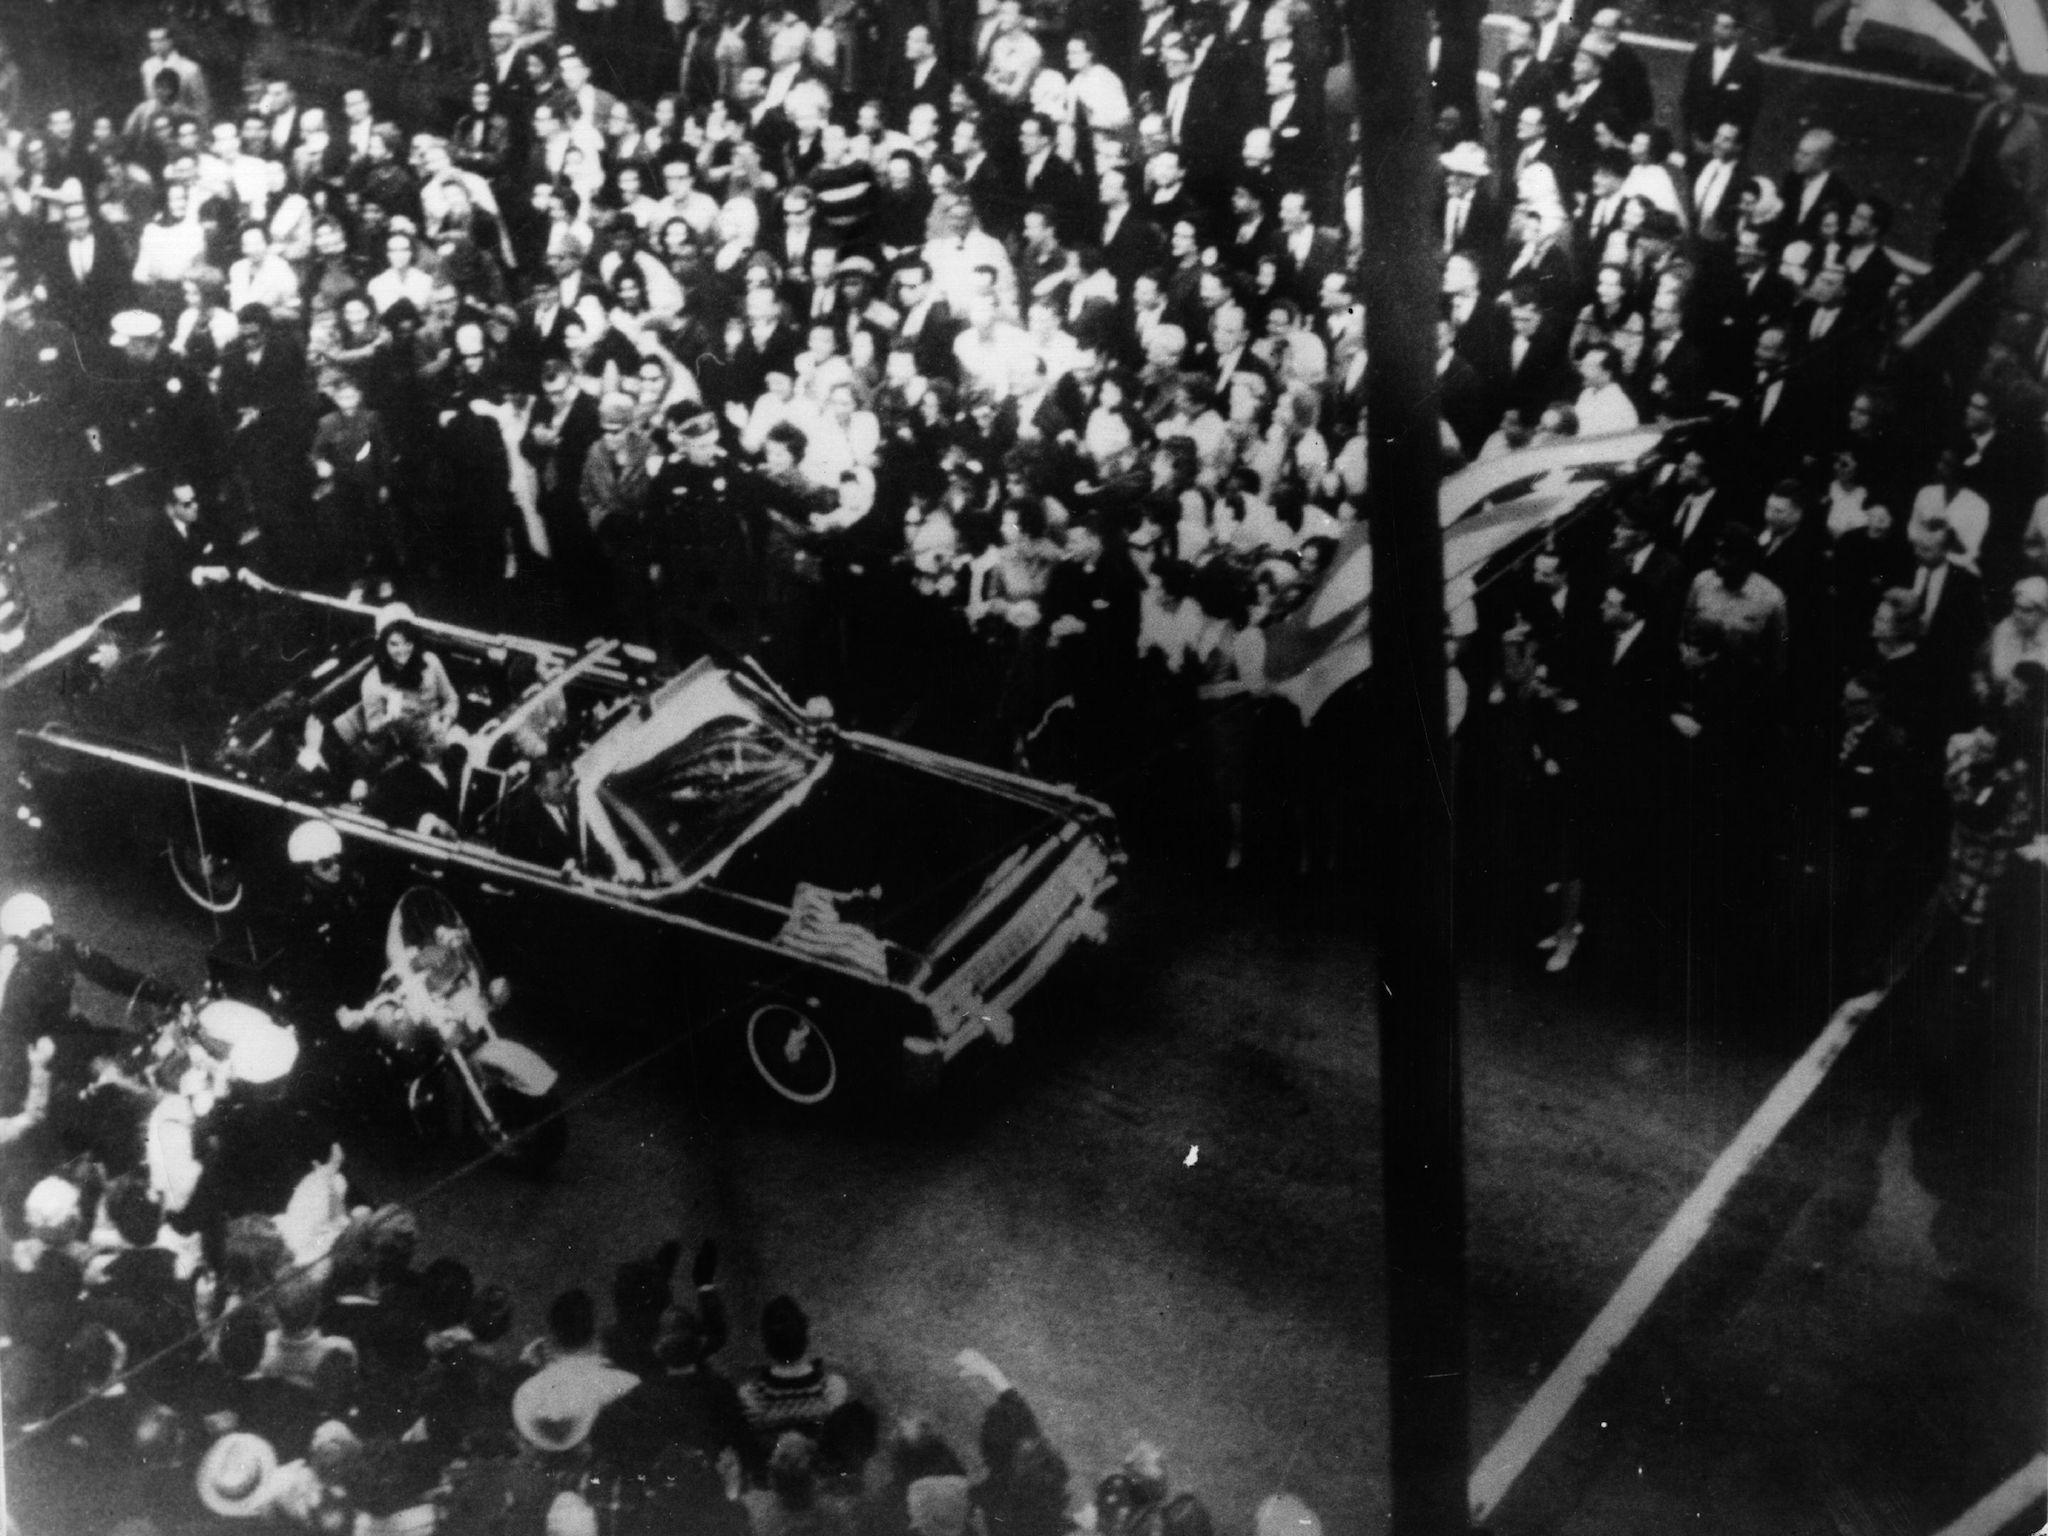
<point x="1131" y="244"/>
<point x="1949" y="597"/>
<point x="928" y="323"/>
<point x="1600" y="213"/>
<point x="1044" y="180"/>
<point x="1715" y="194"/>
<point x="558" y="439"/>
<point x="1296" y="127"/>
<point x="1553" y="40"/>
<point x="1472" y="220"/>
<point x="1145" y="69"/>
<point x="1654" y="569"/>
<point x="1675" y="377"/>
<point x="1308" y="254"/>
<point x="1866" y="264"/>
<point x="1535" y="144"/>
<point x="1480" y="332"/>
<point x="1624" y="70"/>
<point x="2004" y="466"/>
<point x="417" y="792"/>
<point x="1775" y="417"/>
<point x="578" y="97"/>
<point x="1538" y="373"/>
<point x="1525" y="81"/>
<point x="1741" y="297"/>
<point x="87" y="273"/>
<point x="179" y="558"/>
<point x="539" y="822"/>
<point x="1697" y="512"/>
<point x="918" y="78"/>
<point x="1811" y="187"/>
<point x="1462" y="395"/>
<point x="985" y="178"/>
<point x="1590" y="117"/>
<point x="1204" y="121"/>
<point x="1723" y="84"/>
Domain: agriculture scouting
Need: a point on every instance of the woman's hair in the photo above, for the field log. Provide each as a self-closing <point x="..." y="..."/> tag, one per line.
<point x="414" y="671"/>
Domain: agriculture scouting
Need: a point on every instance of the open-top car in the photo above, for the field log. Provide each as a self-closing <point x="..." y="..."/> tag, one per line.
<point x="872" y="909"/>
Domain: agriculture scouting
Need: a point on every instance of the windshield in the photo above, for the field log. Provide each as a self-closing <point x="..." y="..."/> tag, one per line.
<point x="695" y="799"/>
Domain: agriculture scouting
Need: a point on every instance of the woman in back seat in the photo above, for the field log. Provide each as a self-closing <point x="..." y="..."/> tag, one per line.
<point x="406" y="678"/>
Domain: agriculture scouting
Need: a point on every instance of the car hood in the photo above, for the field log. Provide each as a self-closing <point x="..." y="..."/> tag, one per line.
<point x="874" y="820"/>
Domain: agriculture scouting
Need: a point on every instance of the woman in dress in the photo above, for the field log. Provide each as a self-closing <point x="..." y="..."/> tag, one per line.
<point x="405" y="678"/>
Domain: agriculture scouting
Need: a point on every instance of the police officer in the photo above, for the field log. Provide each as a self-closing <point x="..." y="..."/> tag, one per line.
<point x="333" y="933"/>
<point x="39" y="967"/>
<point x="42" y="385"/>
<point x="711" y="536"/>
<point x="156" y="410"/>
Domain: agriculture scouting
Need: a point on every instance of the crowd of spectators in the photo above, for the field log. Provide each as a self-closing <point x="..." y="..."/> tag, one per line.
<point x="307" y="1372"/>
<point x="1001" y="376"/>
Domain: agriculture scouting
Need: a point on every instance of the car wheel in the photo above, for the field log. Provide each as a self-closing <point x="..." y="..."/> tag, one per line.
<point x="792" y="1052"/>
<point x="211" y="880"/>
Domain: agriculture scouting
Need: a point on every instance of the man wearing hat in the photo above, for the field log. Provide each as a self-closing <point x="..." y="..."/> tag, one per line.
<point x="154" y="408"/>
<point x="710" y="529"/>
<point x="1473" y="220"/>
<point x="267" y="400"/>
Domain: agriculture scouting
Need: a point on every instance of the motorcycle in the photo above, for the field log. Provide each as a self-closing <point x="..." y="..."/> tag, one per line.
<point x="434" y="1016"/>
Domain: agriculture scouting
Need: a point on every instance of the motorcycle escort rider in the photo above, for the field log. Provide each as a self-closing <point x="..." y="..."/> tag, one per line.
<point x="39" y="968"/>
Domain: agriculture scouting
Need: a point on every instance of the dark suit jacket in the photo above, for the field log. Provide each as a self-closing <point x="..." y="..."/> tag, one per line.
<point x="1835" y="193"/>
<point x="1060" y="187"/>
<point x="904" y="92"/>
<point x="933" y="341"/>
<point x="1704" y="105"/>
<point x="169" y="600"/>
<point x="1695" y="549"/>
<point x="1303" y="278"/>
<point x="1463" y="402"/>
<point x="528" y="830"/>
<point x="1545" y="374"/>
<point x="1524" y="82"/>
<point x="1137" y="245"/>
<point x="1298" y="158"/>
<point x="1630" y="78"/>
<point x="405" y="792"/>
<point x="88" y="306"/>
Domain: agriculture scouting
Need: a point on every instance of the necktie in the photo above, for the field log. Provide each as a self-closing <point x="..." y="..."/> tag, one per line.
<point x="1177" y="106"/>
<point x="81" y="259"/>
<point x="1454" y="223"/>
<point x="1711" y="181"/>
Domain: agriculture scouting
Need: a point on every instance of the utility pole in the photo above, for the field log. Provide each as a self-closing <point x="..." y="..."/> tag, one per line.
<point x="1421" y="1089"/>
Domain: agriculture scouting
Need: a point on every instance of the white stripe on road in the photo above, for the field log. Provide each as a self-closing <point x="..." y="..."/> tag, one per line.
<point x="1795" y="66"/>
<point x="2003" y="1504"/>
<point x="1544" y="1412"/>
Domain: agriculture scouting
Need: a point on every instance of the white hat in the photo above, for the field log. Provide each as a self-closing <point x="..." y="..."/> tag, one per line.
<point x="1466" y="159"/>
<point x="1282" y="1514"/>
<point x="571" y="1515"/>
<point x="236" y="1474"/>
<point x="22" y="914"/>
<point x="52" y="1204"/>
<point x="555" y="1407"/>
<point x="258" y="1051"/>
<point x="136" y="325"/>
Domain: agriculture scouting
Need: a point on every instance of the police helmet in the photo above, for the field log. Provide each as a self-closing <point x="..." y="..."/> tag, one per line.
<point x="313" y="842"/>
<point x="22" y="914"/>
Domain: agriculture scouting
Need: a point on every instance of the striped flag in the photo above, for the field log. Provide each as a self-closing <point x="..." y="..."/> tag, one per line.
<point x="1485" y="507"/>
<point x="1991" y="36"/>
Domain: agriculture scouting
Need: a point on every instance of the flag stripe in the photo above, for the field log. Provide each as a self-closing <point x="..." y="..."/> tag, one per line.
<point x="1921" y="18"/>
<point x="2026" y="28"/>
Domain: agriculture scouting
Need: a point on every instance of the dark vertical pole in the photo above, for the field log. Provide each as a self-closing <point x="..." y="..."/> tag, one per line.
<point x="1420" y="1073"/>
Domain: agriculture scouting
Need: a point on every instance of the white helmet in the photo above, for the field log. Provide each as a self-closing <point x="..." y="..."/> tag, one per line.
<point x="22" y="914"/>
<point x="312" y="841"/>
<point x="258" y="1050"/>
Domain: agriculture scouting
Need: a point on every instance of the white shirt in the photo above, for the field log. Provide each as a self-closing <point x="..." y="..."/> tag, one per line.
<point x="1710" y="187"/>
<point x="1606" y="409"/>
<point x="1004" y="362"/>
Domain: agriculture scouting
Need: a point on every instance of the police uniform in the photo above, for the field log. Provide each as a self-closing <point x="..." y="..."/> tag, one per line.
<point x="42" y="382"/>
<point x="159" y="413"/>
<point x="35" y="1001"/>
<point x="710" y="537"/>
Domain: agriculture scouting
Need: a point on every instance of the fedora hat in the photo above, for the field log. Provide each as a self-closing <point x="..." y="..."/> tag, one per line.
<point x="236" y="1474"/>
